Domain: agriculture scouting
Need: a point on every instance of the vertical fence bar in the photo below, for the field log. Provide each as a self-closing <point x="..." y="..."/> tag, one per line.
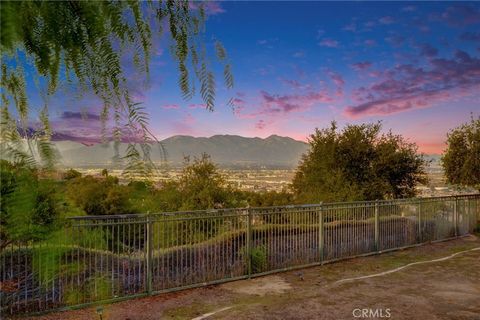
<point x="455" y="215"/>
<point x="321" y="238"/>
<point x="377" y="225"/>
<point x="420" y="222"/>
<point x="149" y="254"/>
<point x="249" y="243"/>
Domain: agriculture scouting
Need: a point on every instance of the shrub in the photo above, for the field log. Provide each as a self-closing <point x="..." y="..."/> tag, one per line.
<point x="258" y="256"/>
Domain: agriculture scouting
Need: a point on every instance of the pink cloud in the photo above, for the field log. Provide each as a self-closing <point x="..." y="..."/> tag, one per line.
<point x="197" y="106"/>
<point x="275" y="104"/>
<point x="406" y="87"/>
<point x="294" y="84"/>
<point x="370" y="42"/>
<point x="260" y="125"/>
<point x="171" y="106"/>
<point x="396" y="105"/>
<point x="337" y="79"/>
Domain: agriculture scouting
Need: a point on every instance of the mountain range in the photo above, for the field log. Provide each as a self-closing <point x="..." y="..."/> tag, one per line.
<point x="225" y="150"/>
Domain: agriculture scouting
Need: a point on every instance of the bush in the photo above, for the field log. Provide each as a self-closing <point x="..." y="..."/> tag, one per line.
<point x="258" y="256"/>
<point x="100" y="196"/>
<point x="71" y="174"/>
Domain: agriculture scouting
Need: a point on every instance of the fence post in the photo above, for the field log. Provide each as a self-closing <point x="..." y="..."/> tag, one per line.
<point x="377" y="226"/>
<point x="321" y="237"/>
<point x="420" y="221"/>
<point x="455" y="215"/>
<point x="249" y="243"/>
<point x="149" y="254"/>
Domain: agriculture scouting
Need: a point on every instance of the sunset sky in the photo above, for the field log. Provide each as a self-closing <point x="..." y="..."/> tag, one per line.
<point x="297" y="66"/>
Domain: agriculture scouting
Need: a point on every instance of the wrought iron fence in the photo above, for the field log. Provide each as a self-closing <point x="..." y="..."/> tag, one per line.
<point x="106" y="258"/>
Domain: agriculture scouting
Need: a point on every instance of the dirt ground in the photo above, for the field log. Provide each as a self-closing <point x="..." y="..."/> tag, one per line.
<point x="448" y="289"/>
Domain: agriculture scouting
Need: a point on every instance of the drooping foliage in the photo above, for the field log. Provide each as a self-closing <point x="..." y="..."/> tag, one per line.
<point x="83" y="43"/>
<point x="461" y="160"/>
<point x="357" y="163"/>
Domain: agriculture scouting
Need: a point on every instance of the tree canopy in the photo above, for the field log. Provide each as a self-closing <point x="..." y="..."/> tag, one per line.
<point x="461" y="160"/>
<point x="201" y="185"/>
<point x="84" y="42"/>
<point x="357" y="163"/>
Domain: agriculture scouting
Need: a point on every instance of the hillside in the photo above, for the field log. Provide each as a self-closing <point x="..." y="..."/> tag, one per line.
<point x="226" y="150"/>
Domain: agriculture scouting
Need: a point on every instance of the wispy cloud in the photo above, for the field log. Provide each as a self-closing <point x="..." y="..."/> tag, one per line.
<point x="338" y="80"/>
<point x="260" y="124"/>
<point x="294" y="84"/>
<point x="211" y="7"/>
<point x="407" y="87"/>
<point x="470" y="36"/>
<point x="171" y="106"/>
<point x="395" y="40"/>
<point x="352" y="27"/>
<point x="197" y="106"/>
<point x="460" y="15"/>
<point x="278" y="104"/>
<point x="330" y="43"/>
<point x="69" y="115"/>
<point x="299" y="54"/>
<point x="409" y="8"/>
<point x="360" y="66"/>
<point x="386" y="20"/>
<point x="428" y="51"/>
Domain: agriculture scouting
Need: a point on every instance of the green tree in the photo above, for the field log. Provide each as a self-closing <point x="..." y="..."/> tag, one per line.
<point x="105" y="173"/>
<point x="100" y="196"/>
<point x="71" y="174"/>
<point x="357" y="163"/>
<point x="201" y="185"/>
<point x="84" y="43"/>
<point x="461" y="160"/>
<point x="169" y="197"/>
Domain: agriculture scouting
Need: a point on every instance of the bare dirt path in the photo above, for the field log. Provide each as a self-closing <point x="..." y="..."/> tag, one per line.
<point x="448" y="289"/>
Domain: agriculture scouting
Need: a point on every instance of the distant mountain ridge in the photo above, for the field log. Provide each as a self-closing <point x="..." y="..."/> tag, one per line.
<point x="225" y="150"/>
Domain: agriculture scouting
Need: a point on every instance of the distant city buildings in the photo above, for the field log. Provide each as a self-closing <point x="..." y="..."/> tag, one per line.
<point x="263" y="179"/>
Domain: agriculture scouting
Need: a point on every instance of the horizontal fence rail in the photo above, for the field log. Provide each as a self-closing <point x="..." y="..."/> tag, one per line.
<point x="95" y="259"/>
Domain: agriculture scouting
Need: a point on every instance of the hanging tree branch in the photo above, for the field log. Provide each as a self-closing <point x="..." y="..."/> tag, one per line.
<point x="82" y="43"/>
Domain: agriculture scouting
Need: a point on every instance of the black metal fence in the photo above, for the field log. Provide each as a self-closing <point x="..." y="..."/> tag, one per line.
<point x="105" y="258"/>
